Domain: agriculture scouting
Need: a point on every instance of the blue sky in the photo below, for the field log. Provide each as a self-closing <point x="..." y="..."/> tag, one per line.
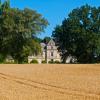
<point x="53" y="10"/>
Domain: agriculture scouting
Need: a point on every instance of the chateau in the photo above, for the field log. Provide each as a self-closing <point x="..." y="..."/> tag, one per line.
<point x="49" y="53"/>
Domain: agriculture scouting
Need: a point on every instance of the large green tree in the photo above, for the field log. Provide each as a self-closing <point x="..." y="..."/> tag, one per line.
<point x="17" y="28"/>
<point x="79" y="35"/>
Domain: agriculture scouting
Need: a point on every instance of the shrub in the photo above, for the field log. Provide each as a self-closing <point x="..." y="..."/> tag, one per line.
<point x="57" y="62"/>
<point x="43" y="62"/>
<point x="34" y="61"/>
<point x="54" y="62"/>
<point x="51" y="62"/>
<point x="9" y="63"/>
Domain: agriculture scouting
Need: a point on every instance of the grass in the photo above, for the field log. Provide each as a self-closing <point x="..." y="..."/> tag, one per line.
<point x="49" y="82"/>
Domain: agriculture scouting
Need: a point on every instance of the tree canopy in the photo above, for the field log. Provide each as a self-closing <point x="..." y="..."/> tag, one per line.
<point x="46" y="39"/>
<point x="79" y="35"/>
<point x="16" y="30"/>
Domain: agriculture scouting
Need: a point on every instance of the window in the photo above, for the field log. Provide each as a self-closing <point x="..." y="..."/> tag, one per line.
<point x="51" y="53"/>
<point x="51" y="47"/>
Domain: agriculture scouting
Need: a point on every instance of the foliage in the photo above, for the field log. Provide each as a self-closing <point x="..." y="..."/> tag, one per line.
<point x="39" y="40"/>
<point x="9" y="62"/>
<point x="2" y="58"/>
<point x="35" y="47"/>
<point x="79" y="35"/>
<point x="46" y="39"/>
<point x="57" y="62"/>
<point x="54" y="62"/>
<point x="34" y="61"/>
<point x="51" y="62"/>
<point x="16" y="30"/>
<point x="43" y="62"/>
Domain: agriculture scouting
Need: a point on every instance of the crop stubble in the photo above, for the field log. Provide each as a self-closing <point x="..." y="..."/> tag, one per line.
<point x="50" y="82"/>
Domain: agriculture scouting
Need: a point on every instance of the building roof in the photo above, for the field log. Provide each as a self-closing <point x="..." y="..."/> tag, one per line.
<point x="51" y="42"/>
<point x="42" y="45"/>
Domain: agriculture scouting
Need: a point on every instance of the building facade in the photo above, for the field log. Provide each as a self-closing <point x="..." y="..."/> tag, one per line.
<point x="49" y="53"/>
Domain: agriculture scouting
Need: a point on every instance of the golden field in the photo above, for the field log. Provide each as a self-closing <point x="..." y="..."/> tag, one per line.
<point x="50" y="82"/>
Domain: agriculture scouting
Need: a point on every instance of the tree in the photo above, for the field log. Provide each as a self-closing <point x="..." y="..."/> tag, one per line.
<point x="16" y="30"/>
<point x="46" y="39"/>
<point x="79" y="35"/>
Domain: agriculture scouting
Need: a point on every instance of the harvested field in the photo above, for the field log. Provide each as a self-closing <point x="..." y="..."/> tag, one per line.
<point x="50" y="82"/>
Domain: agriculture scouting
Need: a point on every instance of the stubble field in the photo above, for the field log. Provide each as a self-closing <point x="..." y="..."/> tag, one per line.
<point x="50" y="82"/>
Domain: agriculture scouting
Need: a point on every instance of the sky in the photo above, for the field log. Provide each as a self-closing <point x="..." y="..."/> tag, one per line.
<point x="53" y="10"/>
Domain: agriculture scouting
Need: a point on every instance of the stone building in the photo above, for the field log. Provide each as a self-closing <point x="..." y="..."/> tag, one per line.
<point x="49" y="53"/>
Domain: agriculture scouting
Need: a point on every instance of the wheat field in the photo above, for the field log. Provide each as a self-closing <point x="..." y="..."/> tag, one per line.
<point x="50" y="82"/>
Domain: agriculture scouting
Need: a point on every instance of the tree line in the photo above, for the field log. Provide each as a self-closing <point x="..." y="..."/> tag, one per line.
<point x="18" y="32"/>
<point x="77" y="36"/>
